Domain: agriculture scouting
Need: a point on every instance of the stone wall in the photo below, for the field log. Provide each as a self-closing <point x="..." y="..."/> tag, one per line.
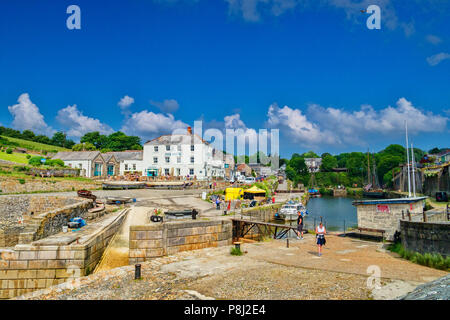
<point x="29" y="267"/>
<point x="160" y="239"/>
<point x="368" y="217"/>
<point x="41" y="216"/>
<point x="55" y="172"/>
<point x="426" y="237"/>
<point x="12" y="186"/>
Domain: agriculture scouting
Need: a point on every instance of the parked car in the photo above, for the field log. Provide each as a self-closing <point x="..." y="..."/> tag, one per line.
<point x="250" y="180"/>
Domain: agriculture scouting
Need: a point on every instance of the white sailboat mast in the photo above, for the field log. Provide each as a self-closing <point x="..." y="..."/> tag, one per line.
<point x="407" y="159"/>
<point x="413" y="170"/>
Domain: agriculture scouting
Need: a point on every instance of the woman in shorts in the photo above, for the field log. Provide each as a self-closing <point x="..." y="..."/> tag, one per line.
<point x="320" y="234"/>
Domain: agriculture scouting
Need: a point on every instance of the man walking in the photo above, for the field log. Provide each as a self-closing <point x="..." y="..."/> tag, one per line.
<point x="299" y="225"/>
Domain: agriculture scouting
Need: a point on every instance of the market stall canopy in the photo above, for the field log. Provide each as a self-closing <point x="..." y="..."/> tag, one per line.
<point x="255" y="189"/>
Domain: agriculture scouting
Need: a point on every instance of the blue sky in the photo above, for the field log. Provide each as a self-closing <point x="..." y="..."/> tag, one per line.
<point x="311" y="69"/>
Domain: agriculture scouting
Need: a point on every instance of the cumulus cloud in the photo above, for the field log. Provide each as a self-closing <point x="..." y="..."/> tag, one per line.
<point x="333" y="126"/>
<point x="148" y="124"/>
<point x="437" y="58"/>
<point x="234" y="122"/>
<point x="168" y="105"/>
<point x="78" y="124"/>
<point x="28" y="117"/>
<point x="433" y="39"/>
<point x="125" y="102"/>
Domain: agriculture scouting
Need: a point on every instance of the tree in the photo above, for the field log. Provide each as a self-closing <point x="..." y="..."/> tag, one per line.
<point x="60" y="139"/>
<point x="119" y="141"/>
<point x="95" y="138"/>
<point x="328" y="163"/>
<point x="28" y="135"/>
<point x="310" y="154"/>
<point x="83" y="147"/>
<point x="434" y="151"/>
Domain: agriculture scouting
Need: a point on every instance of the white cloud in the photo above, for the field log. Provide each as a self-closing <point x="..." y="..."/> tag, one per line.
<point x="148" y="124"/>
<point x="28" y="117"/>
<point x="333" y="126"/>
<point x="234" y="122"/>
<point x="168" y="105"/>
<point x="433" y="39"/>
<point x="296" y="125"/>
<point x="125" y="102"/>
<point x="77" y="124"/>
<point x="437" y="58"/>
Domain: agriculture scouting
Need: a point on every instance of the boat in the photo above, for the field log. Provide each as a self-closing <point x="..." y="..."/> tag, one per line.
<point x="372" y="189"/>
<point x="100" y="206"/>
<point x="123" y="185"/>
<point x="289" y="211"/>
<point x="118" y="200"/>
<point x="313" y="192"/>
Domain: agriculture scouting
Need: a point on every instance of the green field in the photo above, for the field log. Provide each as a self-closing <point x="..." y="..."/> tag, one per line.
<point x="36" y="146"/>
<point x="14" y="157"/>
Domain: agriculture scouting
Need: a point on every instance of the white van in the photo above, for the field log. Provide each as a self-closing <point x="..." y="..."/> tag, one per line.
<point x="250" y="180"/>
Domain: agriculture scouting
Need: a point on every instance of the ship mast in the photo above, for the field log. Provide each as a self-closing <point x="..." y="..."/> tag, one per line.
<point x="368" y="168"/>
<point x="413" y="170"/>
<point x="407" y="158"/>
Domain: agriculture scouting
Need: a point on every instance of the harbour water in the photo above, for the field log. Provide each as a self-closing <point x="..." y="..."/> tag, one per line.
<point x="333" y="211"/>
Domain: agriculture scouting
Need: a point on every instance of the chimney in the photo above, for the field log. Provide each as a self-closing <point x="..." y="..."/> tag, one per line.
<point x="189" y="130"/>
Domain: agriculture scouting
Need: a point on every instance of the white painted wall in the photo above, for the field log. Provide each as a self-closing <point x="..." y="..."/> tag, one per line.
<point x="81" y="164"/>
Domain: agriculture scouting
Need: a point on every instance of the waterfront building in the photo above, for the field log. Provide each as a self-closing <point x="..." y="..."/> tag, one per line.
<point x="91" y="163"/>
<point x="313" y="164"/>
<point x="129" y="161"/>
<point x="182" y="155"/>
<point x="385" y="214"/>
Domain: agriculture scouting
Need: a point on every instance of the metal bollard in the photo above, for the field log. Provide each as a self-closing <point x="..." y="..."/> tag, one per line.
<point x="137" y="271"/>
<point x="287" y="242"/>
<point x="237" y="246"/>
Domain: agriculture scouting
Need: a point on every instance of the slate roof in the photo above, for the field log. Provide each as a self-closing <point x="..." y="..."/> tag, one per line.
<point x="76" y="155"/>
<point x="176" y="139"/>
<point x="124" y="155"/>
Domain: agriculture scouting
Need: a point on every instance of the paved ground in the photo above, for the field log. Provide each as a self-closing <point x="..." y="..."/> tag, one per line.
<point x="268" y="270"/>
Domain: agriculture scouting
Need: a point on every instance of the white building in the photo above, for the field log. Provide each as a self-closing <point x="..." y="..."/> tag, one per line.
<point x="90" y="163"/>
<point x="129" y="161"/>
<point x="185" y="155"/>
<point x="313" y="164"/>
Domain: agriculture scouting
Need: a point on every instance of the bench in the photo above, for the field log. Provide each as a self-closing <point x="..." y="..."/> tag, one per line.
<point x="372" y="230"/>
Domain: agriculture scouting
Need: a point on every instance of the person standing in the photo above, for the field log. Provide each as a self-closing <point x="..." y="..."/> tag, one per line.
<point x="299" y="225"/>
<point x="320" y="234"/>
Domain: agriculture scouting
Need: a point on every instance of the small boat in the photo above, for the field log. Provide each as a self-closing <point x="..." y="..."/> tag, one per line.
<point x="289" y="211"/>
<point x="118" y="200"/>
<point x="100" y="206"/>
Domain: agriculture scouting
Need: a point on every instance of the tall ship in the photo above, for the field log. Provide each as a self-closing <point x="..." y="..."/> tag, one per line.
<point x="372" y="189"/>
<point x="313" y="190"/>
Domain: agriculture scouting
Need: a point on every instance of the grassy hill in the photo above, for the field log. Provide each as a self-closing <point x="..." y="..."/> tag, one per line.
<point x="14" y="157"/>
<point x="35" y="146"/>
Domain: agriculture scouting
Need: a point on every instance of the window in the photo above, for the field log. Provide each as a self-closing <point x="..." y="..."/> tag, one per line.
<point x="166" y="171"/>
<point x="80" y="165"/>
<point x="134" y="166"/>
<point x="70" y="165"/>
<point x="179" y="147"/>
<point x="192" y="159"/>
<point x="155" y="160"/>
<point x="178" y="159"/>
<point x="191" y="171"/>
<point x="155" y="148"/>
<point x="167" y="148"/>
<point x="192" y="147"/>
<point x="178" y="171"/>
<point x="126" y="166"/>
<point x="167" y="159"/>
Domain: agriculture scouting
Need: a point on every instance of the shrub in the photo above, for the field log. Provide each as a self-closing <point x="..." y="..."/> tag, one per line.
<point x="9" y="151"/>
<point x="236" y="252"/>
<point x="28" y="156"/>
<point x="35" y="161"/>
<point x="22" y="181"/>
<point x="21" y="168"/>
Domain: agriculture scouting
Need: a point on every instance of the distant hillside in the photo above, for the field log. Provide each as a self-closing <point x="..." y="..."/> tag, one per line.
<point x="35" y="146"/>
